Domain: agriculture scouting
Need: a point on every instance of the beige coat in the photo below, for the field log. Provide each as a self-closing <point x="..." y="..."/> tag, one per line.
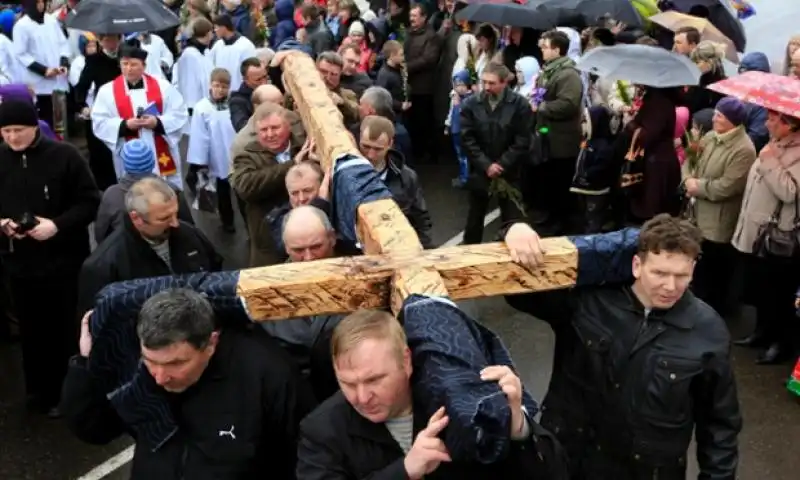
<point x="773" y="178"/>
<point x="721" y="171"/>
<point x="260" y="180"/>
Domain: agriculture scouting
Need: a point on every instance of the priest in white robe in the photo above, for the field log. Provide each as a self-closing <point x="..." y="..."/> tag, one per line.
<point x="137" y="105"/>
<point x="230" y="50"/>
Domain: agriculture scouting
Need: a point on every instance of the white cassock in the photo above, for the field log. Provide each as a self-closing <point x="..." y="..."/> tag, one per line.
<point x="9" y="64"/>
<point x="192" y="75"/>
<point x="45" y="44"/>
<point x="230" y="57"/>
<point x="115" y="102"/>
<point x="157" y="54"/>
<point x="211" y="139"/>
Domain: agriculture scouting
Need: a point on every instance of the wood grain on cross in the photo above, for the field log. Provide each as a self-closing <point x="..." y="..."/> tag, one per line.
<point x="395" y="264"/>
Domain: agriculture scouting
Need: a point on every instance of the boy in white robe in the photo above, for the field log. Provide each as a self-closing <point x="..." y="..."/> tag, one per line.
<point x="231" y="50"/>
<point x="137" y="105"/>
<point x="43" y="51"/>
<point x="210" y="143"/>
<point x="193" y="68"/>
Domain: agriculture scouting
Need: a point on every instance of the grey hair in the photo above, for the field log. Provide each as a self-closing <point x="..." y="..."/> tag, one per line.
<point x="321" y="216"/>
<point x="331" y="57"/>
<point x="173" y="316"/>
<point x="265" y="54"/>
<point x="141" y="194"/>
<point x="380" y="99"/>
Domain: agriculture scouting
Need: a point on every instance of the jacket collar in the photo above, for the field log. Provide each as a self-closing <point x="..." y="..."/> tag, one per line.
<point x="376" y="432"/>
<point x="678" y="315"/>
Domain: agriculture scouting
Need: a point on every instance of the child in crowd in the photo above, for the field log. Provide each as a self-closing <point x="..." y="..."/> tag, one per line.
<point x="210" y="144"/>
<point x="462" y="88"/>
<point x="390" y="75"/>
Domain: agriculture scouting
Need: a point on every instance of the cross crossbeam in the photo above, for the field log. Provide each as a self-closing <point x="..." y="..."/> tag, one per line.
<point x="395" y="264"/>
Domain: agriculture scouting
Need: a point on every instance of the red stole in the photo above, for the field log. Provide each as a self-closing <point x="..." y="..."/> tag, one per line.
<point x="165" y="161"/>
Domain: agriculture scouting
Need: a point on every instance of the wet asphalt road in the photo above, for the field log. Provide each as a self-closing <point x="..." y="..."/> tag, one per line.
<point x="35" y="448"/>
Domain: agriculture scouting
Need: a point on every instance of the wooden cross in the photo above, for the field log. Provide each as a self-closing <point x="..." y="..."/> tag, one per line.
<point x="395" y="264"/>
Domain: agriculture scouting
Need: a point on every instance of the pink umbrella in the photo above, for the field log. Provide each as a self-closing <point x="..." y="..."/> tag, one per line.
<point x="773" y="92"/>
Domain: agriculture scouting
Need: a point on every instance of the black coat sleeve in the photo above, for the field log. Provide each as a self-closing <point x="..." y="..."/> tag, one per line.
<point x="83" y="196"/>
<point x="418" y="214"/>
<point x="718" y="419"/>
<point x="520" y="147"/>
<point x="86" y="409"/>
<point x="240" y="112"/>
<point x="214" y="258"/>
<point x="469" y="137"/>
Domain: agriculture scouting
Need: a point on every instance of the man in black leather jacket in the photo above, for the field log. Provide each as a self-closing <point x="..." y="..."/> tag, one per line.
<point x="638" y="367"/>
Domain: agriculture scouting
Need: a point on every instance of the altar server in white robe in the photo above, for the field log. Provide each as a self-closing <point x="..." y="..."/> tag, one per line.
<point x="230" y="50"/>
<point x="44" y="53"/>
<point x="137" y="105"/>
<point x="193" y="68"/>
<point x="210" y="143"/>
<point x="159" y="58"/>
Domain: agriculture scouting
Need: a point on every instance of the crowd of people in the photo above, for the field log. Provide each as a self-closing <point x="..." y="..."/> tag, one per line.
<point x="174" y="116"/>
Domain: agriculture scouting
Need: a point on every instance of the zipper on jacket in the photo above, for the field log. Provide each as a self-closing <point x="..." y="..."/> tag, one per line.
<point x="184" y="459"/>
<point x="655" y="473"/>
<point x="24" y="161"/>
<point x="46" y="193"/>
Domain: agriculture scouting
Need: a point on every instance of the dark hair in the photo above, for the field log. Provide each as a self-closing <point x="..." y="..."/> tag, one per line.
<point x="692" y="34"/>
<point x="173" y="316"/>
<point x="201" y="27"/>
<point x="558" y="40"/>
<point x="422" y="10"/>
<point x="496" y="68"/>
<point x="665" y="233"/>
<point x="310" y="12"/>
<point x="224" y="21"/>
<point x="247" y="63"/>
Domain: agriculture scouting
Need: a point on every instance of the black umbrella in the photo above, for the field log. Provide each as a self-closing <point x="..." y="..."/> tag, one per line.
<point x="121" y="16"/>
<point x="588" y="12"/>
<point x="507" y="13"/>
<point x="719" y="12"/>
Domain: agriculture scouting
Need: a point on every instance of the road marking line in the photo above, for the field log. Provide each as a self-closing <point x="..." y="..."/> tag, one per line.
<point x="119" y="460"/>
<point x="110" y="466"/>
<point x="490" y="217"/>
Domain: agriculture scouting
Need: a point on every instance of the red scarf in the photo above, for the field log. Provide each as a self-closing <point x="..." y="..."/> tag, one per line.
<point x="165" y="161"/>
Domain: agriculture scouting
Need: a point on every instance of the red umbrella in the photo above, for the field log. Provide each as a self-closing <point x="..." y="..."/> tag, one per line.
<point x="773" y="92"/>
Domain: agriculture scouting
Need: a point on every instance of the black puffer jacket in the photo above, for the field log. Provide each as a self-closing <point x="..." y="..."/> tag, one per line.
<point x="629" y="387"/>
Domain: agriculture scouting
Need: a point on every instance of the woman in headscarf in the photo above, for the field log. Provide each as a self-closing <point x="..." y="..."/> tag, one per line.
<point x="466" y="47"/>
<point x="487" y="45"/>
<point x="527" y="69"/>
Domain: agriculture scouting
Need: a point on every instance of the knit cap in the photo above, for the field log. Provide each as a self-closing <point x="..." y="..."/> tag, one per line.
<point x="18" y="112"/>
<point x="733" y="109"/>
<point x="138" y="157"/>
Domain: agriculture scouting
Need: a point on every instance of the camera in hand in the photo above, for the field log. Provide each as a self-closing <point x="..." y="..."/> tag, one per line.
<point x="26" y="223"/>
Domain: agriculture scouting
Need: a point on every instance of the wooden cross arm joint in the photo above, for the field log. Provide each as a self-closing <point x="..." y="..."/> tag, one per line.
<point x="395" y="265"/>
<point x="341" y="285"/>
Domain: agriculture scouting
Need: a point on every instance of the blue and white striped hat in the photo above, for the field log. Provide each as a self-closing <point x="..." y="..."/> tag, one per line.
<point x="138" y="157"/>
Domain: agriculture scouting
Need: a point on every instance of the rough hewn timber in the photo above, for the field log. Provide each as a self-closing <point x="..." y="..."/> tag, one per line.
<point x="395" y="265"/>
<point x="341" y="285"/>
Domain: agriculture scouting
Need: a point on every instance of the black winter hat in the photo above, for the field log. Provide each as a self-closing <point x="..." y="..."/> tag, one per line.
<point x="18" y="112"/>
